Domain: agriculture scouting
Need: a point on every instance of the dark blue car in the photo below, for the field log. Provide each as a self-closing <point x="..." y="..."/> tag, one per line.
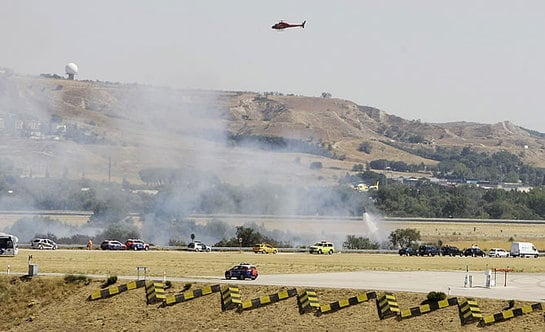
<point x="112" y="245"/>
<point x="407" y="251"/>
<point x="242" y="271"/>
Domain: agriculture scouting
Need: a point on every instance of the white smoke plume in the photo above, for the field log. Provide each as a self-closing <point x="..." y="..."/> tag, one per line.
<point x="155" y="127"/>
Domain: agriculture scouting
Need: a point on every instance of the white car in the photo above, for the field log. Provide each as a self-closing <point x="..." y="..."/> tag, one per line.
<point x="43" y="244"/>
<point x="198" y="246"/>
<point x="498" y="252"/>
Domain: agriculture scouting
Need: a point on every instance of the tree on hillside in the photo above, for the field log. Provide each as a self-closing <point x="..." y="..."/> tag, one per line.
<point x="326" y="95"/>
<point x="365" y="147"/>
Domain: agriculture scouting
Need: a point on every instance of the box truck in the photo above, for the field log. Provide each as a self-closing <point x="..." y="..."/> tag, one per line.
<point x="523" y="249"/>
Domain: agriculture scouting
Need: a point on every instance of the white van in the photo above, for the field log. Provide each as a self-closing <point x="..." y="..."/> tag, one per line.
<point x="523" y="249"/>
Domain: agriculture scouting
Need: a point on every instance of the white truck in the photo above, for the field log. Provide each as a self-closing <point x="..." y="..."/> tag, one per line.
<point x="523" y="249"/>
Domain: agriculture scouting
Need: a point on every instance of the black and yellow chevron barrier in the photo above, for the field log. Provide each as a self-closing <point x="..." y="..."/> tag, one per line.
<point x="337" y="305"/>
<point x="426" y="308"/>
<point x="307" y="301"/>
<point x="387" y="306"/>
<point x="230" y="298"/>
<point x="114" y="290"/>
<point x="190" y="295"/>
<point x="511" y="313"/>
<point x="155" y="292"/>
<point x="268" y="299"/>
<point x="469" y="311"/>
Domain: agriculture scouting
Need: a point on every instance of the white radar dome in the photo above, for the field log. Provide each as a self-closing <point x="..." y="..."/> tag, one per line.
<point x="71" y="68"/>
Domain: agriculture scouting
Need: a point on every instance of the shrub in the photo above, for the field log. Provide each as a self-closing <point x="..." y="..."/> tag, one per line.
<point x="358" y="168"/>
<point x="436" y="296"/>
<point x="110" y="281"/>
<point x="365" y="147"/>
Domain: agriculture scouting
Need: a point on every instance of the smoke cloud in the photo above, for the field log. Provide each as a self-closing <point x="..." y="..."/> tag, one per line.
<point x="158" y="127"/>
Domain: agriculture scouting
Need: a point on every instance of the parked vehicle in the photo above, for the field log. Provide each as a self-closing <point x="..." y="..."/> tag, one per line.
<point x="474" y="252"/>
<point x="407" y="251"/>
<point x="8" y="244"/>
<point x="112" y="245"/>
<point x="451" y="251"/>
<point x="242" y="271"/>
<point x="43" y="244"/>
<point x="136" y="244"/>
<point x="198" y="246"/>
<point x="323" y="247"/>
<point x="428" y="250"/>
<point x="264" y="248"/>
<point x="498" y="252"/>
<point x="523" y="249"/>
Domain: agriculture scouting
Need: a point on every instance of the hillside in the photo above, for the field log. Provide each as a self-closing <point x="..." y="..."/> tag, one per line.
<point x="34" y="306"/>
<point x="104" y="130"/>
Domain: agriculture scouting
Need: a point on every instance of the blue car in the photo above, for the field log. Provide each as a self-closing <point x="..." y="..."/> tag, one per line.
<point x="407" y="251"/>
<point x="242" y="271"/>
<point x="112" y="245"/>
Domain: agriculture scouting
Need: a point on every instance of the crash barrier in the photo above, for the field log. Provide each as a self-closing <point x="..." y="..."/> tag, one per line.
<point x="387" y="306"/>
<point x="469" y="311"/>
<point x="267" y="299"/>
<point x="427" y="308"/>
<point x="155" y="292"/>
<point x="307" y="301"/>
<point x="230" y="298"/>
<point x="508" y="314"/>
<point x="114" y="290"/>
<point x="190" y="295"/>
<point x="337" y="305"/>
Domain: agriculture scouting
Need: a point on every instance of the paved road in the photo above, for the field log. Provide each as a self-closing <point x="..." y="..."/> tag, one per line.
<point x="519" y="286"/>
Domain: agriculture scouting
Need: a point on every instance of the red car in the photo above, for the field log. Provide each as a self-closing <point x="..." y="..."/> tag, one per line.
<point x="136" y="244"/>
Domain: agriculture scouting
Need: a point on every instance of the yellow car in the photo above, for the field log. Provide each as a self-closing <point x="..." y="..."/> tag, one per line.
<point x="322" y="248"/>
<point x="265" y="248"/>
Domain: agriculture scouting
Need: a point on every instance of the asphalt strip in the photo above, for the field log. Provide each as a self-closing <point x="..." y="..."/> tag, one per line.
<point x="510" y="286"/>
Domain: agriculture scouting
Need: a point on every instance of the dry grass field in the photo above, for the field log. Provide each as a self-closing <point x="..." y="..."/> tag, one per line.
<point x="487" y="235"/>
<point x="48" y="303"/>
<point x="190" y="264"/>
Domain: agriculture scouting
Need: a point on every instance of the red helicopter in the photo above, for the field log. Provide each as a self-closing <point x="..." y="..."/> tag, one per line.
<point x="283" y="25"/>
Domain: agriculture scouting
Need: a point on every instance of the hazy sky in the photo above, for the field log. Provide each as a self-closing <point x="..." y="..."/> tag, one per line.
<point x="432" y="60"/>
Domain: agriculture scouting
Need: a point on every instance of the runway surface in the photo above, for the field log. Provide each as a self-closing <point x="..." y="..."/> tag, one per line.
<point x="514" y="286"/>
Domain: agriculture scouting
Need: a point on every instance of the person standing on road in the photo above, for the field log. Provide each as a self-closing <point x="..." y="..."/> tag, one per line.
<point x="90" y="245"/>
